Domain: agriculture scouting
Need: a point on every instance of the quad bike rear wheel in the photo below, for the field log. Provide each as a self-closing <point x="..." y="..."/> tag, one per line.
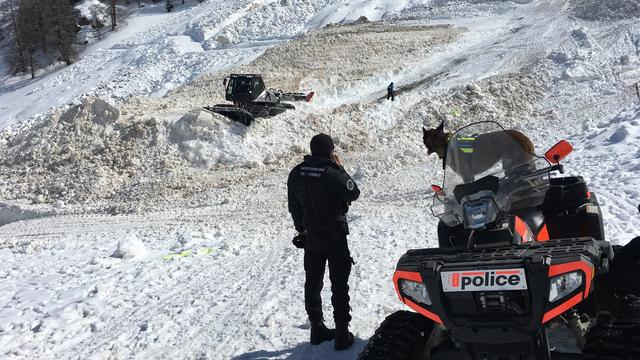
<point x="403" y="335"/>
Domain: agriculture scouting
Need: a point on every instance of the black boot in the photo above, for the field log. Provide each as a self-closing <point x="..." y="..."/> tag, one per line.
<point x="320" y="333"/>
<point x="344" y="338"/>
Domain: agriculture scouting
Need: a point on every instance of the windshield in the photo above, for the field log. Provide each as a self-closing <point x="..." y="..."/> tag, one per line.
<point x="485" y="162"/>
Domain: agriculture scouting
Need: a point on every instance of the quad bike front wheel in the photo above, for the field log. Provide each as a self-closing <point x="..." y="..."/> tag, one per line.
<point x="613" y="341"/>
<point x="403" y="335"/>
<point x="618" y="339"/>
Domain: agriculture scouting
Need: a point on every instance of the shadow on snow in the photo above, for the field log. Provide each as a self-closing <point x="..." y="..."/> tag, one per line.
<point x="305" y="351"/>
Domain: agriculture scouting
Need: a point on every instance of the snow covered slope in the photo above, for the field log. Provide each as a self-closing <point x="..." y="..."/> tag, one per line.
<point x="156" y="51"/>
<point x="194" y="206"/>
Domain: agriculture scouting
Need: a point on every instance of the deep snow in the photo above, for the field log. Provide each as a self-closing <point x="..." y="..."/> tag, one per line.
<point x="204" y="267"/>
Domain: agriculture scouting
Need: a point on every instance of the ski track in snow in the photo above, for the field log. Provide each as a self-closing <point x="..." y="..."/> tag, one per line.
<point x="64" y="296"/>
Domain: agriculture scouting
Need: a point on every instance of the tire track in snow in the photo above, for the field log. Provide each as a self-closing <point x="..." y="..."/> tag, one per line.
<point x="245" y="298"/>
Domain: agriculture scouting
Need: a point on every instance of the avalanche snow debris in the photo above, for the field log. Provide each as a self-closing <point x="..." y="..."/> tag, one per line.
<point x="129" y="248"/>
<point x="144" y="150"/>
<point x="207" y="139"/>
<point x="449" y="10"/>
<point x="143" y="58"/>
<point x="607" y="9"/>
<point x="332" y="60"/>
<point x="581" y="37"/>
<point x="83" y="153"/>
<point x="580" y="73"/>
<point x="506" y="99"/>
<point x="59" y="279"/>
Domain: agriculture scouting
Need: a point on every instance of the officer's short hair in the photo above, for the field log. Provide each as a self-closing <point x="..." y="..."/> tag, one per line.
<point x="322" y="145"/>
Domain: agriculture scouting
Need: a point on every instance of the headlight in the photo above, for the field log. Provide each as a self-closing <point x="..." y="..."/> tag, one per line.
<point x="564" y="284"/>
<point x="478" y="213"/>
<point x="415" y="290"/>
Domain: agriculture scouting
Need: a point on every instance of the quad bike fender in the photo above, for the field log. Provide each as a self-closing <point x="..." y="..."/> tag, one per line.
<point x="588" y="274"/>
<point x="416" y="277"/>
<point x="463" y="314"/>
<point x="625" y="267"/>
<point x="552" y="311"/>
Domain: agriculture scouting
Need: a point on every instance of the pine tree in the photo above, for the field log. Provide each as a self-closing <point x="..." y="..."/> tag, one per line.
<point x="28" y="32"/>
<point x="41" y="28"/>
<point x="17" y="59"/>
<point x="63" y="29"/>
<point x="4" y="11"/>
<point x="96" y="23"/>
<point x="113" y="13"/>
<point x="169" y="5"/>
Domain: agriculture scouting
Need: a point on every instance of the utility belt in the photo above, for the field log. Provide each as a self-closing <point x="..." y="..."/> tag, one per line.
<point x="340" y="223"/>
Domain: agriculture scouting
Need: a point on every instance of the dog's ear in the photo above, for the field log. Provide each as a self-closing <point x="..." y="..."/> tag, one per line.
<point x="440" y="128"/>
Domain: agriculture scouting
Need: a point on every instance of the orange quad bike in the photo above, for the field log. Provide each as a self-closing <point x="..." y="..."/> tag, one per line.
<point x="522" y="270"/>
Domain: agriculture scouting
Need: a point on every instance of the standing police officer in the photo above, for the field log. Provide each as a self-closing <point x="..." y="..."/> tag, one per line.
<point x="319" y="194"/>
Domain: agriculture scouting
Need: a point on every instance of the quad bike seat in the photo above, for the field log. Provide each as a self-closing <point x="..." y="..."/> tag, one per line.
<point x="571" y="210"/>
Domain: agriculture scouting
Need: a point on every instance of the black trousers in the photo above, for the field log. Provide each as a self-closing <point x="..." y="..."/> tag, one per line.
<point x="315" y="262"/>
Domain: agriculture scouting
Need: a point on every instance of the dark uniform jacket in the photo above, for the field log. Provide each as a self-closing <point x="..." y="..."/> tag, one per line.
<point x="319" y="194"/>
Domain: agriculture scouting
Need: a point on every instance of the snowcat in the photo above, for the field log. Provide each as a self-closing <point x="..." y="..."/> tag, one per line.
<point x="252" y="100"/>
<point x="522" y="268"/>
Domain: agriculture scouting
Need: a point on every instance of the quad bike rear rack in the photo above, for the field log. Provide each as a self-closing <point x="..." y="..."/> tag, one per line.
<point x="488" y="323"/>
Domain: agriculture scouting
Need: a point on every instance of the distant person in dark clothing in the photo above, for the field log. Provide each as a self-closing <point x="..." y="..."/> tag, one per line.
<point x="391" y="94"/>
<point x="625" y="267"/>
<point x="319" y="194"/>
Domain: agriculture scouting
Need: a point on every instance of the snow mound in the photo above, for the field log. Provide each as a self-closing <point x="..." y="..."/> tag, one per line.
<point x="195" y="239"/>
<point x="581" y="37"/>
<point x="81" y="153"/>
<point x="506" y="99"/>
<point x="129" y="248"/>
<point x="580" y="73"/>
<point x="207" y="139"/>
<point x="145" y="149"/>
<point x="102" y="113"/>
<point x="611" y="147"/>
<point x="607" y="9"/>
<point x="622" y="131"/>
<point x="119" y="158"/>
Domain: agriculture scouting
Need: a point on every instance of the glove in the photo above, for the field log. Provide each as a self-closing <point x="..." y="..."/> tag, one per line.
<point x="299" y="240"/>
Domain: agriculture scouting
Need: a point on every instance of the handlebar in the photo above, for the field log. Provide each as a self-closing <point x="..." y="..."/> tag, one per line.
<point x="536" y="173"/>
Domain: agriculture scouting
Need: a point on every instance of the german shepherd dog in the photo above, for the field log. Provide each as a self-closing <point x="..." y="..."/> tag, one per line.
<point x="436" y="141"/>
